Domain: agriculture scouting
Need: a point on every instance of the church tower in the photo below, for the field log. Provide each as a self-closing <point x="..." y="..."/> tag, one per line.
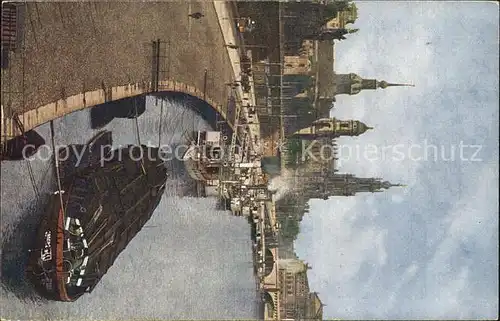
<point x="332" y="128"/>
<point x="349" y="185"/>
<point x="328" y="185"/>
<point x="352" y="84"/>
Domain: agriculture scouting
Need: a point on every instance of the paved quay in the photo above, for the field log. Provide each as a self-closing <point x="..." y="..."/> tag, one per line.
<point x="80" y="54"/>
<point x="227" y="25"/>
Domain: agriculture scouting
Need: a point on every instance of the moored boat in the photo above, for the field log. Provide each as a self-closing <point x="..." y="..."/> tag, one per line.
<point x="106" y="201"/>
<point x="204" y="158"/>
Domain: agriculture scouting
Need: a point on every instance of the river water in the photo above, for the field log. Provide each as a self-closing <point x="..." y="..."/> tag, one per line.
<point x="190" y="261"/>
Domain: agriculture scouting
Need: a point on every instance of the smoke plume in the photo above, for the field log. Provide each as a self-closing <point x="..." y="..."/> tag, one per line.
<point x="282" y="184"/>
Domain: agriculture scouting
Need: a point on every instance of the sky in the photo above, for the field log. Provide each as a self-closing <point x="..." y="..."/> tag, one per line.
<point x="429" y="250"/>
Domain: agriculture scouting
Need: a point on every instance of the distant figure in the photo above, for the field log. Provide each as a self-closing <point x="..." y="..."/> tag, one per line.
<point x="196" y="15"/>
<point x="230" y="45"/>
<point x="233" y="84"/>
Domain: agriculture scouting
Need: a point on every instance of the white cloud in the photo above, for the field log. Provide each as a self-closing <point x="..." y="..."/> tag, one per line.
<point x="344" y="240"/>
<point x="389" y="110"/>
<point x="430" y="272"/>
<point x="474" y="219"/>
<point x="408" y="275"/>
<point x="346" y="245"/>
<point x="471" y="215"/>
<point x="445" y="303"/>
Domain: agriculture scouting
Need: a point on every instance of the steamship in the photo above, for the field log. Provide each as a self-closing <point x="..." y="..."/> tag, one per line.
<point x="104" y="200"/>
<point x="207" y="161"/>
<point x="204" y="157"/>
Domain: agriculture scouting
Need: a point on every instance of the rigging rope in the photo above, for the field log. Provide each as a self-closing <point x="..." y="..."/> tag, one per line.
<point x="138" y="134"/>
<point x="33" y="180"/>
<point x="20" y="126"/>
<point x="56" y="163"/>
<point x="161" y="117"/>
<point x="136" y="123"/>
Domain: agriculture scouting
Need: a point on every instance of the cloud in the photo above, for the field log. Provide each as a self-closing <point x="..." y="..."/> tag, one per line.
<point x="390" y="110"/>
<point x="348" y="250"/>
<point x="344" y="245"/>
<point x="418" y="252"/>
<point x="408" y="275"/>
<point x="472" y="224"/>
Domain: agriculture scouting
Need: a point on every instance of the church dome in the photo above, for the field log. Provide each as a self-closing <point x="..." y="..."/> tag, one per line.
<point x="359" y="128"/>
<point x="383" y="84"/>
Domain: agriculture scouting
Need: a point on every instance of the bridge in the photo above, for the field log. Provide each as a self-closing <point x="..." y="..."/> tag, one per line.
<point x="270" y="286"/>
<point x="269" y="281"/>
<point x="70" y="56"/>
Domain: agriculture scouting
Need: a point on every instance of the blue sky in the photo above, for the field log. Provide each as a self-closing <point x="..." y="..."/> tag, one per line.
<point x="429" y="250"/>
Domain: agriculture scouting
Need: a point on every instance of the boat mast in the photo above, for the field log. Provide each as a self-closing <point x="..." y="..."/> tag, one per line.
<point x="56" y="164"/>
<point x="138" y="135"/>
<point x="161" y="119"/>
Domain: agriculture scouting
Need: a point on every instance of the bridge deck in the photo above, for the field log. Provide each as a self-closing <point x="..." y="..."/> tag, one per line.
<point x="79" y="47"/>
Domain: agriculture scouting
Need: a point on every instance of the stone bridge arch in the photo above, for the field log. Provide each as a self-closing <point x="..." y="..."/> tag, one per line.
<point x="271" y="276"/>
<point x="271" y="305"/>
<point x="91" y="53"/>
<point x="270" y="262"/>
<point x="43" y="114"/>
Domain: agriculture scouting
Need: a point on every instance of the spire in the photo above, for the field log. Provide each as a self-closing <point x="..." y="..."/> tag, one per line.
<point x="384" y="84"/>
<point x="352" y="84"/>
<point x="359" y="128"/>
<point x="387" y="185"/>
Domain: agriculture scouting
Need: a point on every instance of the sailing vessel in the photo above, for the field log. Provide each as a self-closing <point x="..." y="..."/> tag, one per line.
<point x="106" y="197"/>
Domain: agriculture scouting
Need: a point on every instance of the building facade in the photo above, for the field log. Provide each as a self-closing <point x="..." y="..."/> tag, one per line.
<point x="296" y="302"/>
<point x="319" y="155"/>
<point x="297" y="65"/>
<point x="320" y="179"/>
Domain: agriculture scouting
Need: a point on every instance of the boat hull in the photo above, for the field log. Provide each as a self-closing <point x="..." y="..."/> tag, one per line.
<point x="103" y="208"/>
<point x="45" y="267"/>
